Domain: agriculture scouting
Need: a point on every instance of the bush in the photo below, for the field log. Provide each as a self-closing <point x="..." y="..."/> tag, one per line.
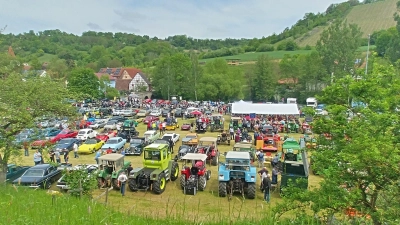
<point x="288" y="45"/>
<point x="307" y="47"/>
<point x="265" y="48"/>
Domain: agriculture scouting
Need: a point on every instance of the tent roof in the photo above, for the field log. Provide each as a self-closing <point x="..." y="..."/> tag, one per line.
<point x="265" y="109"/>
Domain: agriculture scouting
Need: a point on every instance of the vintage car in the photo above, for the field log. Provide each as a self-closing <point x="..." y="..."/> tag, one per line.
<point x="190" y="139"/>
<point x="39" y="176"/>
<point x="66" y="133"/>
<point x="136" y="146"/>
<point x="139" y="120"/>
<point x="115" y="143"/>
<point x="91" y="169"/>
<point x="118" y="118"/>
<point x="175" y="137"/>
<point x="155" y="113"/>
<point x="98" y="124"/>
<point x="106" y="135"/>
<point x="50" y="132"/>
<point x="183" y="150"/>
<point x="91" y="145"/>
<point x="40" y="144"/>
<point x="150" y="136"/>
<point x="111" y="125"/>
<point x="14" y="171"/>
<point x="186" y="126"/>
<point x="84" y="134"/>
<point x="66" y="143"/>
<point x="150" y="119"/>
<point x="142" y="113"/>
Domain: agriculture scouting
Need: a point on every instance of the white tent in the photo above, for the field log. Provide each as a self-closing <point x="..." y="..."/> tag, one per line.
<point x="264" y="109"/>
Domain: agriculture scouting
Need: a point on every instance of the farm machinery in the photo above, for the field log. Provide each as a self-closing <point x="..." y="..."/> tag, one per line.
<point x="292" y="127"/>
<point x="224" y="137"/>
<point x="237" y="175"/>
<point x="158" y="168"/>
<point x="217" y="123"/>
<point x="305" y="128"/>
<point x="208" y="146"/>
<point x="194" y="178"/>
<point x="236" y="123"/>
<point x="111" y="166"/>
<point x="246" y="147"/>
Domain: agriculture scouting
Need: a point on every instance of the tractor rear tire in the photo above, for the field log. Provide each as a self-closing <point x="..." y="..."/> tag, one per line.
<point x="222" y="189"/>
<point x="174" y="171"/>
<point x="132" y="185"/>
<point x="214" y="160"/>
<point x="100" y="183"/>
<point x="251" y="191"/>
<point x="202" y="183"/>
<point x="208" y="174"/>
<point x="115" y="184"/>
<point x="183" y="181"/>
<point x="160" y="184"/>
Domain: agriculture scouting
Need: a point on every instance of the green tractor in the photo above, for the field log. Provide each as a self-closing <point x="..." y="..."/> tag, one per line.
<point x="246" y="147"/>
<point x="217" y="123"/>
<point x="236" y="122"/>
<point x="292" y="127"/>
<point x="158" y="168"/>
<point x="111" y="166"/>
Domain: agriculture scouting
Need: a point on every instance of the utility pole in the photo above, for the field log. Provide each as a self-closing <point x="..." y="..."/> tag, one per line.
<point x="366" y="62"/>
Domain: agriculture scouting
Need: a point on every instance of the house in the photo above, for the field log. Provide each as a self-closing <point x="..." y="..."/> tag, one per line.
<point x="111" y="83"/>
<point x="128" y="79"/>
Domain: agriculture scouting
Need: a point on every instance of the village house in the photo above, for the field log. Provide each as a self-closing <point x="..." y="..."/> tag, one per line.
<point x="127" y="79"/>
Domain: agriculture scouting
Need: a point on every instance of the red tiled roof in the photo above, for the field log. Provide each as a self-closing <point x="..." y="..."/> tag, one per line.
<point x="105" y="74"/>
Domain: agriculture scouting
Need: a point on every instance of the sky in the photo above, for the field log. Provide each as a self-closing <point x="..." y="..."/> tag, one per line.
<point x="216" y="19"/>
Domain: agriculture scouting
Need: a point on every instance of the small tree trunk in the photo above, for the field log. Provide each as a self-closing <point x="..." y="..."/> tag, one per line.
<point x="3" y="171"/>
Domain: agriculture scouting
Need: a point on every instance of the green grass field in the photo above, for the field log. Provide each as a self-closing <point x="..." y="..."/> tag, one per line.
<point x="370" y="17"/>
<point x="46" y="57"/>
<point x="205" y="206"/>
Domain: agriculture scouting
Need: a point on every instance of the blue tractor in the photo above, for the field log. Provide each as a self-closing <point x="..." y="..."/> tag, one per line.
<point x="237" y="175"/>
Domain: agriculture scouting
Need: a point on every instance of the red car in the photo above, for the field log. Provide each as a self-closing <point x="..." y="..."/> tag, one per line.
<point x="66" y="133"/>
<point x="105" y="136"/>
<point x="150" y="119"/>
<point x="186" y="126"/>
<point x="40" y="144"/>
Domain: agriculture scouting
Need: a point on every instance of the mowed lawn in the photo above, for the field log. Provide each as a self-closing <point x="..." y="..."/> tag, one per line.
<point x="205" y="206"/>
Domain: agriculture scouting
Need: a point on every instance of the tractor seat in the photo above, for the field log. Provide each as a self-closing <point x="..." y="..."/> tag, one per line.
<point x="223" y="134"/>
<point x="194" y="170"/>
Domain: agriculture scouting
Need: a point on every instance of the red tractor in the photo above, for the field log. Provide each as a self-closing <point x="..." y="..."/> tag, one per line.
<point x="208" y="146"/>
<point x="306" y="128"/>
<point x="194" y="178"/>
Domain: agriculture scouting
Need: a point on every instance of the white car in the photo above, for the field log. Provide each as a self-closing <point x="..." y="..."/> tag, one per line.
<point x="98" y="124"/>
<point x="155" y="113"/>
<point x="84" y="134"/>
<point x="142" y="113"/>
<point x="111" y="125"/>
<point x="174" y="136"/>
<point x="321" y="112"/>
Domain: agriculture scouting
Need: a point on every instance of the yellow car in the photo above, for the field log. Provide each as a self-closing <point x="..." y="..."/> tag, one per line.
<point x="139" y="120"/>
<point x="90" y="146"/>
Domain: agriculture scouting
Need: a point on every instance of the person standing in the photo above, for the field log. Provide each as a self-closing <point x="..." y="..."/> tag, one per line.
<point x="37" y="157"/>
<point x="122" y="182"/>
<point x="97" y="156"/>
<point x="164" y="125"/>
<point x="75" y="147"/>
<point x="57" y="156"/>
<point x="261" y="159"/>
<point x="267" y="187"/>
<point x="51" y="155"/>
<point x="274" y="175"/>
<point x="66" y="155"/>
<point x="129" y="169"/>
<point x="26" y="148"/>
<point x="171" y="145"/>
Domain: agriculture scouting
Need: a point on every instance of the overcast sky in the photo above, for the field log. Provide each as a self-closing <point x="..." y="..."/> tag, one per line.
<point x="161" y="18"/>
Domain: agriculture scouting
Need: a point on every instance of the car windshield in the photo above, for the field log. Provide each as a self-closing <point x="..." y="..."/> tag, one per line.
<point x="82" y="132"/>
<point x="64" y="141"/>
<point x="34" y="173"/>
<point x="114" y="141"/>
<point x="191" y="136"/>
<point x="136" y="141"/>
<point x="111" y="123"/>
<point x="90" y="141"/>
<point x="152" y="155"/>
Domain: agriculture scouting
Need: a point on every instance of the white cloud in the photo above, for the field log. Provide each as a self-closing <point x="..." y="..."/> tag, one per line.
<point x="196" y="18"/>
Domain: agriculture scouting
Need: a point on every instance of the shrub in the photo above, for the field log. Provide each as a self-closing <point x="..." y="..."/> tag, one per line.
<point x="266" y="48"/>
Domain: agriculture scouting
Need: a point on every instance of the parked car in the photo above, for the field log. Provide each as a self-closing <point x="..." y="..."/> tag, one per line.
<point x="106" y="135"/>
<point x="136" y="146"/>
<point x="98" y="124"/>
<point x="66" y="143"/>
<point x="186" y="126"/>
<point x="183" y="150"/>
<point x="14" y="171"/>
<point x="91" y="169"/>
<point x="91" y="145"/>
<point x="84" y="134"/>
<point x="142" y="113"/>
<point x="50" y="132"/>
<point x="66" y="133"/>
<point x="175" y="137"/>
<point x="115" y="143"/>
<point x="39" y="176"/>
<point x="150" y="119"/>
<point x="118" y="118"/>
<point x="164" y="112"/>
<point x="111" y="125"/>
<point x="161" y="141"/>
<point x="150" y="136"/>
<point x="128" y="113"/>
<point x="178" y="112"/>
<point x="155" y="113"/>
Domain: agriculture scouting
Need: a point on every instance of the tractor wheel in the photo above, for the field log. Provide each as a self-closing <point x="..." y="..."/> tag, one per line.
<point x="183" y="181"/>
<point x="214" y="160"/>
<point x="115" y="184"/>
<point x="100" y="183"/>
<point x="222" y="189"/>
<point x="251" y="191"/>
<point x="47" y="184"/>
<point x="132" y="185"/>
<point x="208" y="174"/>
<point x="229" y="142"/>
<point x="202" y="183"/>
<point x="159" y="185"/>
<point x="174" y="171"/>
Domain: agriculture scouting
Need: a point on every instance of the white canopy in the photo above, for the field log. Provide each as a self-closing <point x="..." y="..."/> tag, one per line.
<point x="242" y="107"/>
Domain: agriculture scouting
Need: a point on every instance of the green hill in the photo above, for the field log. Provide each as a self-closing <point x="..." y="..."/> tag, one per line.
<point x="369" y="17"/>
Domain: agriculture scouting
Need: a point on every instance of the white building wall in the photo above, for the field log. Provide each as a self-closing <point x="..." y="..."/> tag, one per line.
<point x="137" y="82"/>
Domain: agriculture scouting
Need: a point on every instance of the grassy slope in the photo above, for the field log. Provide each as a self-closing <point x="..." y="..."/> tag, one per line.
<point x="46" y="57"/>
<point x="370" y="18"/>
<point x="205" y="206"/>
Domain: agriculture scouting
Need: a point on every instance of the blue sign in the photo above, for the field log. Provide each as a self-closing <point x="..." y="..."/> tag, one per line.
<point x="252" y="115"/>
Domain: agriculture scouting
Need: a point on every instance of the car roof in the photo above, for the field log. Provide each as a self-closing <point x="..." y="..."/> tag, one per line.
<point x="86" y="129"/>
<point x="237" y="155"/>
<point x="150" y="132"/>
<point x="112" y="138"/>
<point x="169" y="134"/>
<point x="214" y="139"/>
<point x="156" y="146"/>
<point x="242" y="145"/>
<point x="41" y="166"/>
<point x="195" y="156"/>
<point x="111" y="157"/>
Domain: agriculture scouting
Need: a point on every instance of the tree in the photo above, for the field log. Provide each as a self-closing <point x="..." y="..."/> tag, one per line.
<point x="337" y="47"/>
<point x="264" y="81"/>
<point x="360" y="163"/>
<point x="83" y="81"/>
<point x="57" y="68"/>
<point x="22" y="101"/>
<point x="79" y="182"/>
